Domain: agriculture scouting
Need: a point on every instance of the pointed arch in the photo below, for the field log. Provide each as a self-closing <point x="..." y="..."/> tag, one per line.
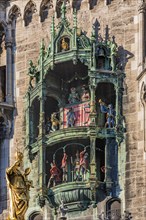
<point x="29" y="10"/>
<point x="14" y="13"/>
<point x="44" y="9"/>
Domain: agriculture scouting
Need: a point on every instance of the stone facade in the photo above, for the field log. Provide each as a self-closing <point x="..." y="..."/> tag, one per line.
<point x="125" y="20"/>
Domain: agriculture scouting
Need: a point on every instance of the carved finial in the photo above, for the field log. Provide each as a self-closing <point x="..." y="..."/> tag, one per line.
<point x="106" y="33"/>
<point x="75" y="17"/>
<point x="63" y="10"/>
<point x="53" y="24"/>
<point x="93" y="36"/>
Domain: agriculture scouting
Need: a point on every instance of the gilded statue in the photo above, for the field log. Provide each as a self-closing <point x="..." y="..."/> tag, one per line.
<point x="19" y="187"/>
<point x="64" y="45"/>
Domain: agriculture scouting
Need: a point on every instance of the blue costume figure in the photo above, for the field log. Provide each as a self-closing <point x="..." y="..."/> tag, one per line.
<point x="109" y="110"/>
<point x="71" y="118"/>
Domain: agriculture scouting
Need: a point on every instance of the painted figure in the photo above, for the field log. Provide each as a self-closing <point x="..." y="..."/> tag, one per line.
<point x="55" y="175"/>
<point x="83" y="163"/>
<point x="73" y="96"/>
<point x="77" y="167"/>
<point x="64" y="167"/>
<point x="19" y="187"/>
<point x="85" y="94"/>
<point x="109" y="110"/>
<point x="71" y="118"/>
<point x="55" y="122"/>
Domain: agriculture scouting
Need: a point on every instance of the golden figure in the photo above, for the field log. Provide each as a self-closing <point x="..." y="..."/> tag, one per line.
<point x="64" y="45"/>
<point x="19" y="187"/>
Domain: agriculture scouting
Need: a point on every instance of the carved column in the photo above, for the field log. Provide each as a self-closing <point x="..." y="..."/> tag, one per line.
<point x="9" y="76"/>
<point x="42" y="150"/>
<point x="28" y="130"/>
<point x="92" y="158"/>
<point x="142" y="34"/>
<point x="92" y="101"/>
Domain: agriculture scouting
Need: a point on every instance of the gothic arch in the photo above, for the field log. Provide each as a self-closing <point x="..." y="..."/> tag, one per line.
<point x="29" y="10"/>
<point x="113" y="208"/>
<point x="36" y="216"/>
<point x="44" y="9"/>
<point x="14" y="13"/>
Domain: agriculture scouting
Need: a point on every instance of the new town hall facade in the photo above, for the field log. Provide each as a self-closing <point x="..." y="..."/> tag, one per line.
<point x="73" y="102"/>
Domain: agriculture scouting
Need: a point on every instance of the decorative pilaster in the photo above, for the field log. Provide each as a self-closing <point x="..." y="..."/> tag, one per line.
<point x="111" y="164"/>
<point x="119" y="117"/>
<point x="142" y="34"/>
<point x="92" y="158"/>
<point x="52" y="34"/>
<point x="42" y="126"/>
<point x="28" y="123"/>
<point x="9" y="75"/>
<point x="93" y="43"/>
<point x="75" y="28"/>
<point x="92" y="87"/>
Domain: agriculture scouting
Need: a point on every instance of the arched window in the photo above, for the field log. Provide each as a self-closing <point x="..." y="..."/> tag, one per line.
<point x="36" y="216"/>
<point x="29" y="10"/>
<point x="44" y="9"/>
<point x="113" y="209"/>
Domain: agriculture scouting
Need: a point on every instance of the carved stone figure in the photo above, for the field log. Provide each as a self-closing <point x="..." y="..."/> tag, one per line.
<point x="71" y="118"/>
<point x="55" y="175"/>
<point x="55" y="121"/>
<point x="32" y="72"/>
<point x="73" y="96"/>
<point x="19" y="187"/>
<point x="113" y="53"/>
<point x="85" y="94"/>
<point x="83" y="163"/>
<point x="64" y="45"/>
<point x="109" y="110"/>
<point x="64" y="167"/>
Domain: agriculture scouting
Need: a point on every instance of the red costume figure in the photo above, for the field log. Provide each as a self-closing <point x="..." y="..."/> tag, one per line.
<point x="55" y="175"/>
<point x="85" y="94"/>
<point x="83" y="163"/>
<point x="64" y="167"/>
